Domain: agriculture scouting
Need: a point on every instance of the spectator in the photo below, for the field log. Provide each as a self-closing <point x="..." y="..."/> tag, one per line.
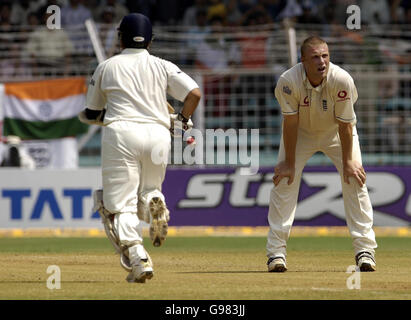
<point x="244" y="5"/>
<point x="21" y="9"/>
<point x="94" y="6"/>
<point x="273" y="7"/>
<point x="10" y="64"/>
<point x="257" y="15"/>
<point x="407" y="17"/>
<point x="5" y="16"/>
<point x="190" y="15"/>
<point x="217" y="8"/>
<point x="73" y="17"/>
<point x="334" y="11"/>
<point x="108" y="30"/>
<point x="119" y="10"/>
<point x="21" y="64"/>
<point x="254" y="48"/>
<point x="167" y="12"/>
<point x="74" y="14"/>
<point x="7" y="29"/>
<point x="406" y="7"/>
<point x="234" y="14"/>
<point x="49" y="49"/>
<point x="291" y="11"/>
<point x="309" y="13"/>
<point x="32" y="20"/>
<point x="215" y="53"/>
<point x="395" y="11"/>
<point x="374" y="13"/>
<point x="195" y="36"/>
<point x="400" y="11"/>
<point x="141" y="6"/>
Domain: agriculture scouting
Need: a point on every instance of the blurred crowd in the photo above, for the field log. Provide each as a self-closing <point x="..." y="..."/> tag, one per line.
<point x="185" y="12"/>
<point x="29" y="50"/>
<point x="211" y="41"/>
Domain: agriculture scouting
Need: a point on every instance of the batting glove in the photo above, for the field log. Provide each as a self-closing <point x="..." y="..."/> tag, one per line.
<point x="179" y="122"/>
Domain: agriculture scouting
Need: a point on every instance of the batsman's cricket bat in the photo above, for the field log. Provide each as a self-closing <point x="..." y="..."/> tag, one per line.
<point x="170" y="108"/>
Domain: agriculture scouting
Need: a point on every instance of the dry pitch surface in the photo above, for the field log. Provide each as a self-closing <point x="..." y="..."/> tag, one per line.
<point x="188" y="268"/>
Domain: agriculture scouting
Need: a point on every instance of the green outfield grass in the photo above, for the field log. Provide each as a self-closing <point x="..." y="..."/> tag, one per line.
<point x="202" y="268"/>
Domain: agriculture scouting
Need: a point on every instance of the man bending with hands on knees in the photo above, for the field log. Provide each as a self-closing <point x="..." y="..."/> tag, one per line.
<point x="127" y="95"/>
<point x="317" y="99"/>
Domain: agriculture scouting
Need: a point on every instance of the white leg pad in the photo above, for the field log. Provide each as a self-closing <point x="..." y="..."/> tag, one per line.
<point x="107" y="219"/>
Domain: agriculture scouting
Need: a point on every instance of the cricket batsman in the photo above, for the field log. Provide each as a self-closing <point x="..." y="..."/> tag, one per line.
<point x="127" y="96"/>
<point x="317" y="102"/>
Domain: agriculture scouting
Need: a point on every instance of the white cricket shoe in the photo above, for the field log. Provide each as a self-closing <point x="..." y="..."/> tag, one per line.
<point x="366" y="261"/>
<point x="159" y="221"/>
<point x="276" y="264"/>
<point x="140" y="272"/>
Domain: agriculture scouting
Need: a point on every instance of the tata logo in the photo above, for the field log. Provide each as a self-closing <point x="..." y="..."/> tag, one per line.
<point x="46" y="198"/>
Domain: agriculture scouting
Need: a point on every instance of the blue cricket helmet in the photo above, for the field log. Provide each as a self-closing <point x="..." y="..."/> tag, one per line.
<point x="135" y="30"/>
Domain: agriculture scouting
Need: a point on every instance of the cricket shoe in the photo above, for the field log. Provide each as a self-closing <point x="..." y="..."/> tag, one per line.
<point x="159" y="221"/>
<point x="140" y="272"/>
<point x="276" y="264"/>
<point x="365" y="261"/>
<point x="125" y="260"/>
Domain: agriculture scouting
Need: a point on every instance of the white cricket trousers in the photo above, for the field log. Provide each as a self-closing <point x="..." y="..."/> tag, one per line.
<point x="283" y="197"/>
<point x="134" y="161"/>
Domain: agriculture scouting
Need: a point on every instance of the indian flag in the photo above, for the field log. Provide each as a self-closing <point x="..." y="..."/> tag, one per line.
<point x="44" y="109"/>
<point x="44" y="115"/>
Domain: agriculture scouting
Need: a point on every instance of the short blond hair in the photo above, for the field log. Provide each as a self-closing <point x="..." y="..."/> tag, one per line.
<point x="311" y="41"/>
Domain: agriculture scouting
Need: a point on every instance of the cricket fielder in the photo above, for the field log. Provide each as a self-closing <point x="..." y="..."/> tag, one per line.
<point x="317" y="99"/>
<point x="127" y="95"/>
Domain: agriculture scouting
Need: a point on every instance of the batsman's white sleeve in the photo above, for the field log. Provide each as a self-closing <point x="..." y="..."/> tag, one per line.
<point x="95" y="99"/>
<point x="179" y="84"/>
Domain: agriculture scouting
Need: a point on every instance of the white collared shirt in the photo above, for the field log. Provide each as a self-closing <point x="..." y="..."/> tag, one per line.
<point x="319" y="108"/>
<point x="134" y="85"/>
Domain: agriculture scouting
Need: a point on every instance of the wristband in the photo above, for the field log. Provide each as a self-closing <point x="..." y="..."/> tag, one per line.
<point x="181" y="118"/>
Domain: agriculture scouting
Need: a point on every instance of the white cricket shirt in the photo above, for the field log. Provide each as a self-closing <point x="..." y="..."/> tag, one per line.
<point x="134" y="85"/>
<point x="318" y="108"/>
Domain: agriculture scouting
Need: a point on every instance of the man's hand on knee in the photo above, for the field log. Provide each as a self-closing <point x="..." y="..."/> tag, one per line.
<point x="354" y="169"/>
<point x="283" y="170"/>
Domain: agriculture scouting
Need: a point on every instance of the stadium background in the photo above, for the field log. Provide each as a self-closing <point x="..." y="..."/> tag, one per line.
<point x="236" y="50"/>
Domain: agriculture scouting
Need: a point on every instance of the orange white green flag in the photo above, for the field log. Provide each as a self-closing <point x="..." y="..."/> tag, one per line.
<point x="44" y="115"/>
<point x="44" y="109"/>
